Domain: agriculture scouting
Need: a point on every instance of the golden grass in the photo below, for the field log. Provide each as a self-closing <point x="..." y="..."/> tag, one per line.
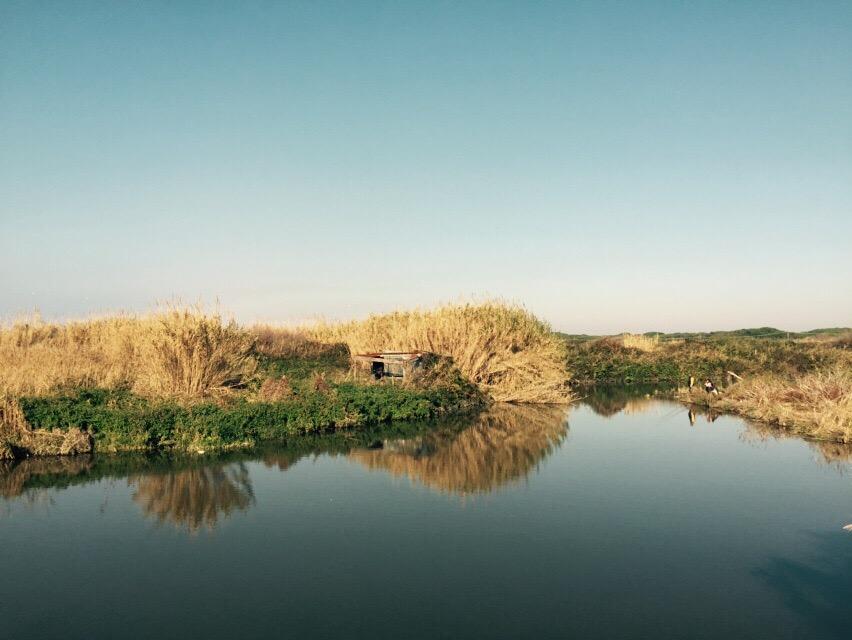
<point x="505" y="350"/>
<point x="503" y="445"/>
<point x="816" y="404"/>
<point x="176" y="352"/>
<point x="184" y="352"/>
<point x="643" y="343"/>
<point x="288" y="342"/>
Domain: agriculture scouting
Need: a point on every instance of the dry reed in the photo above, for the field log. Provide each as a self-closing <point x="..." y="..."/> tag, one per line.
<point x="176" y="352"/>
<point x="184" y="352"/>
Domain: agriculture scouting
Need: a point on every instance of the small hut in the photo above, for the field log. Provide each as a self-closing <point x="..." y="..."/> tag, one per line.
<point x="390" y="364"/>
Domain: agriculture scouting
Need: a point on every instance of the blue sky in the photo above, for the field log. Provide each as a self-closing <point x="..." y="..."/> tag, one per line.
<point x="612" y="166"/>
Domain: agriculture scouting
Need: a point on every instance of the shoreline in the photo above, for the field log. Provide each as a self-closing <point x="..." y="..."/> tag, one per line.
<point x="117" y="421"/>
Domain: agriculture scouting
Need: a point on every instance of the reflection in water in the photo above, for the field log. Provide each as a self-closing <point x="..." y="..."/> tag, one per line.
<point x="30" y="477"/>
<point x="194" y="497"/>
<point x="504" y="444"/>
<point x="608" y="401"/>
<point x="831" y="452"/>
<point x="470" y="455"/>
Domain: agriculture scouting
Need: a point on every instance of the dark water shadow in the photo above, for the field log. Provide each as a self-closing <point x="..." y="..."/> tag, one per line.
<point x="818" y="590"/>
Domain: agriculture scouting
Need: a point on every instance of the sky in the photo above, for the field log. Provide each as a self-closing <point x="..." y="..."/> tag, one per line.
<point x="612" y="166"/>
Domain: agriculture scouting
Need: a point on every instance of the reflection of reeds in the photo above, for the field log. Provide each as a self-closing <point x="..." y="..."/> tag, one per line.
<point x="15" y="476"/>
<point x="639" y="405"/>
<point x="195" y="497"/>
<point x="282" y="460"/>
<point x="504" y="444"/>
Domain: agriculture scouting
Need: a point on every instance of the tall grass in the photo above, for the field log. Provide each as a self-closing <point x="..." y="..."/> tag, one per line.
<point x="505" y="350"/>
<point x="816" y="404"/>
<point x="184" y="352"/>
<point x="176" y="352"/>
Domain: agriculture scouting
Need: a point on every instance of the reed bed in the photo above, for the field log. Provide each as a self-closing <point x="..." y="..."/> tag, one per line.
<point x="816" y="404"/>
<point x="506" y="351"/>
<point x="175" y="352"/>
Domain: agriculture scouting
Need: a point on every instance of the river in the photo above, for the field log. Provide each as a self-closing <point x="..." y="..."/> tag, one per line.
<point x="623" y="517"/>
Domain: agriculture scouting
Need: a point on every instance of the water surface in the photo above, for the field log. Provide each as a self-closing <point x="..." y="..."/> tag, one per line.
<point x="626" y="517"/>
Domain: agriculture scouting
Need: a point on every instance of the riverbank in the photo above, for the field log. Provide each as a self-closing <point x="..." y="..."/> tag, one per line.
<point x="188" y="381"/>
<point x="672" y="358"/>
<point x="115" y="421"/>
<point x="815" y="405"/>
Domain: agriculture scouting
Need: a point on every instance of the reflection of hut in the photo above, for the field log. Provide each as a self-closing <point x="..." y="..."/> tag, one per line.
<point x="389" y="364"/>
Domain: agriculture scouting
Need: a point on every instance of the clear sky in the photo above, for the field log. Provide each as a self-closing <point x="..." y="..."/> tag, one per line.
<point x="613" y="166"/>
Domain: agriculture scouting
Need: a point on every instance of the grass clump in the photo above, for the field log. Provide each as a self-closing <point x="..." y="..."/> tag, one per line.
<point x="506" y="351"/>
<point x="184" y="352"/>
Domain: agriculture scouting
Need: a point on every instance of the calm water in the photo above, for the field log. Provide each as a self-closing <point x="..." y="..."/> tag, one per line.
<point x="619" y="519"/>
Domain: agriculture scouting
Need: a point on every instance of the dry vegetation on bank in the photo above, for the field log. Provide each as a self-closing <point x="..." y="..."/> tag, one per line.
<point x="816" y="404"/>
<point x="652" y="358"/>
<point x="174" y="353"/>
<point x="182" y="378"/>
<point x="186" y="353"/>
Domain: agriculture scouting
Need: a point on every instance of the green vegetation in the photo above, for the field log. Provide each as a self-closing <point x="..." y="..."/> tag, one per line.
<point x="801" y="383"/>
<point x="121" y="421"/>
<point x="672" y="358"/>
